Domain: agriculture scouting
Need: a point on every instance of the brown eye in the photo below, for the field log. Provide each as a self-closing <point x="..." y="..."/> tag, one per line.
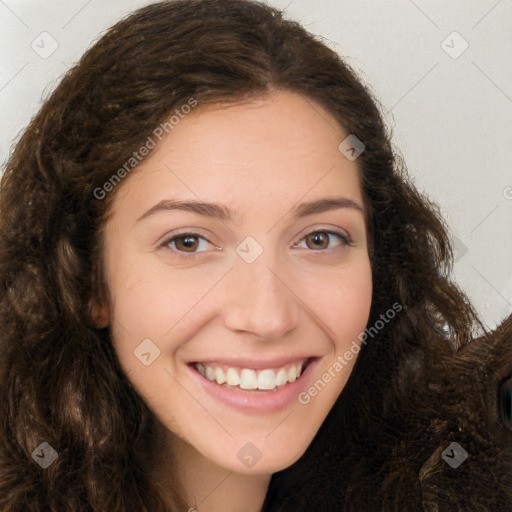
<point x="186" y="243"/>
<point x="319" y="240"/>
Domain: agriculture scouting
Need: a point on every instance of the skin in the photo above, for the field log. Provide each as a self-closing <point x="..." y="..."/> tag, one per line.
<point x="259" y="158"/>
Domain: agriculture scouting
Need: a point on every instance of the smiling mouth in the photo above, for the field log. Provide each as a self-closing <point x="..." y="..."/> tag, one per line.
<point x="249" y="379"/>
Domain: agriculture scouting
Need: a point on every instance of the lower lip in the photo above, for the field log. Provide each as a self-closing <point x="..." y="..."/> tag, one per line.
<point x="257" y="402"/>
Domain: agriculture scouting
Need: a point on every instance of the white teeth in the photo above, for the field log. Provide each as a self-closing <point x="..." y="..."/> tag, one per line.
<point x="232" y="377"/>
<point x="281" y="378"/>
<point x="247" y="378"/>
<point x="267" y="379"/>
<point x="209" y="373"/>
<point x="219" y="375"/>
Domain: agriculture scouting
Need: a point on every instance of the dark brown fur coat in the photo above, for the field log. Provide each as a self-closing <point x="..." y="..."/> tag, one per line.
<point x="396" y="463"/>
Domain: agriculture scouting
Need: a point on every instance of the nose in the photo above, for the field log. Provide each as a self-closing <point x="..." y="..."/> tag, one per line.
<point x="258" y="299"/>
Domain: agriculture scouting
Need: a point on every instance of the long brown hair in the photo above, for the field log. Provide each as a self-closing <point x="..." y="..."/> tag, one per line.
<point x="60" y="381"/>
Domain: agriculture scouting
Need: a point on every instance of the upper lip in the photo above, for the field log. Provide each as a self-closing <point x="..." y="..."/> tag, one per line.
<point x="257" y="364"/>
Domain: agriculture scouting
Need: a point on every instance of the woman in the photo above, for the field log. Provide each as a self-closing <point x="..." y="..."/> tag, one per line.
<point x="220" y="292"/>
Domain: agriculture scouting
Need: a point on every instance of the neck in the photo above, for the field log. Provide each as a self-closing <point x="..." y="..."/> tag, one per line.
<point x="208" y="487"/>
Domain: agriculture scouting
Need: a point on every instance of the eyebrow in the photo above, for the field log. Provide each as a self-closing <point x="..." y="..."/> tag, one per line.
<point x="219" y="211"/>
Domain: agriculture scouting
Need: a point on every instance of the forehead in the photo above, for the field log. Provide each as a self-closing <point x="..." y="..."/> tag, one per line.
<point x="287" y="124"/>
<point x="269" y="148"/>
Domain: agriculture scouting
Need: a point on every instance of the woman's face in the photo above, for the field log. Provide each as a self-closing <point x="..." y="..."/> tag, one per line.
<point x="273" y="277"/>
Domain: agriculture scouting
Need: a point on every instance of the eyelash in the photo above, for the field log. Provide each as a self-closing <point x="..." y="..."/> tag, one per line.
<point x="345" y="239"/>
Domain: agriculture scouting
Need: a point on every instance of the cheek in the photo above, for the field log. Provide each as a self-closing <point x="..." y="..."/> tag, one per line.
<point x="155" y="311"/>
<point x="343" y="303"/>
<point x="149" y="303"/>
<point x="148" y="300"/>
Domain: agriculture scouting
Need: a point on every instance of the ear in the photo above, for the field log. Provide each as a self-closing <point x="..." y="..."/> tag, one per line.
<point x="99" y="314"/>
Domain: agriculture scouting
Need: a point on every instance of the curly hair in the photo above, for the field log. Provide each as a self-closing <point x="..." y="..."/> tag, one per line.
<point x="60" y="380"/>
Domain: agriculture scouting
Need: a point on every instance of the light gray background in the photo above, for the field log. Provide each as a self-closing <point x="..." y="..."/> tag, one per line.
<point x="451" y="114"/>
